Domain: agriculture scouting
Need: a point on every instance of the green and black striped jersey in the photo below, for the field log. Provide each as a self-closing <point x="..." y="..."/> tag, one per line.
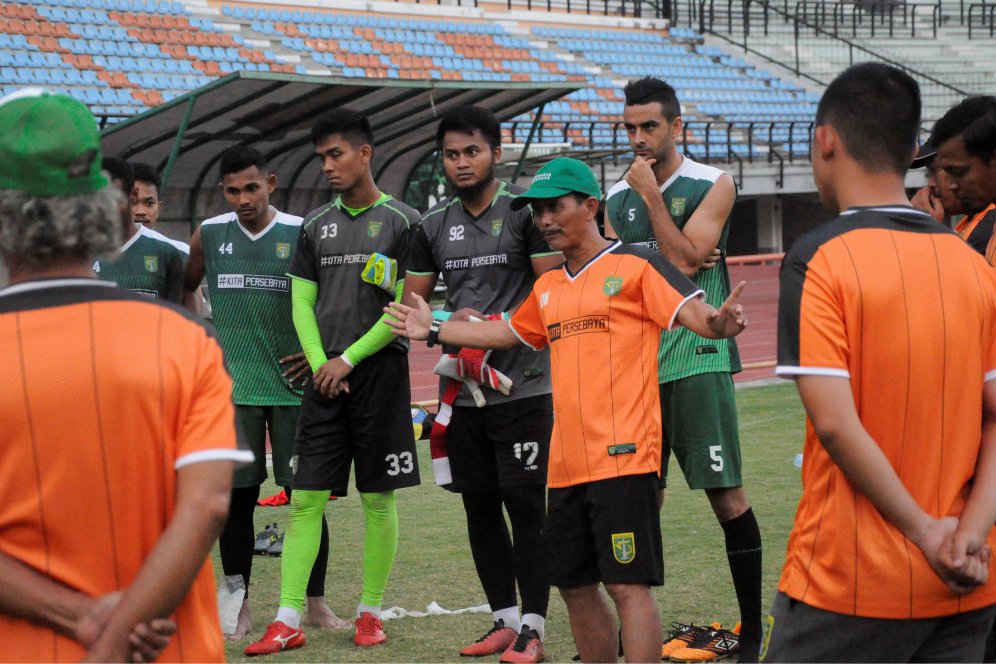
<point x="149" y="263"/>
<point x="251" y="304"/>
<point x="682" y="352"/>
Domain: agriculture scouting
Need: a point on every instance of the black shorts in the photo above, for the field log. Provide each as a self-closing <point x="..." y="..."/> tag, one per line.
<point x="370" y="425"/>
<point x="507" y="444"/>
<point x="607" y="531"/>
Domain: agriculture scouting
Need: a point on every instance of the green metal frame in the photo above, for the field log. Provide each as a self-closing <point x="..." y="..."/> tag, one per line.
<point x="529" y="141"/>
<point x="446" y="90"/>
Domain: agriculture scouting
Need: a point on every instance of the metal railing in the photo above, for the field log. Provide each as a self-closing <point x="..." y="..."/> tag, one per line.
<point x="986" y="18"/>
<point x="750" y="24"/>
<point x="863" y="19"/>
<point x="630" y="8"/>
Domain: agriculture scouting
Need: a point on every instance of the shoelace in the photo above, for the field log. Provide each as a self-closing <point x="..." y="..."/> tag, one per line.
<point x="371" y="626"/>
<point x="677" y="629"/>
<point x="497" y="628"/>
<point x="521" y="641"/>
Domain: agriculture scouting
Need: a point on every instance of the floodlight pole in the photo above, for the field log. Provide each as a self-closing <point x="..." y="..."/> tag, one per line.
<point x="529" y="142"/>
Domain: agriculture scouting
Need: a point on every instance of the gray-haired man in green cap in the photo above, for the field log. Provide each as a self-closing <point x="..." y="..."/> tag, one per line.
<point x="117" y="435"/>
<point x="601" y="315"/>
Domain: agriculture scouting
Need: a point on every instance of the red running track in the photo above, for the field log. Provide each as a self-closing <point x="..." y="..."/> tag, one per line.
<point x="757" y="343"/>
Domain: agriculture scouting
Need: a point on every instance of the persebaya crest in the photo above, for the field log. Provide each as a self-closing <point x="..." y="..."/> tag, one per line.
<point x="623" y="547"/>
<point x="373" y="228"/>
<point x="283" y="249"/>
<point x="496" y="227"/>
<point x="613" y="285"/>
<point x="151" y="263"/>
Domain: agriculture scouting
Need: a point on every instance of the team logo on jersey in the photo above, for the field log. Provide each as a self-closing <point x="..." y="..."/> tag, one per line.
<point x="373" y="228"/>
<point x="544" y="299"/>
<point x="151" y="263"/>
<point x="283" y="249"/>
<point x="613" y="285"/>
<point x="623" y="547"/>
<point x="496" y="227"/>
<point x="677" y="207"/>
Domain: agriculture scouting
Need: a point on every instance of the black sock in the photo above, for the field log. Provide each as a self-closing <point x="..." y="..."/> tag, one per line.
<point x="743" y="550"/>
<point x="526" y="507"/>
<point x="316" y="582"/>
<point x="491" y="547"/>
<point x="237" y="538"/>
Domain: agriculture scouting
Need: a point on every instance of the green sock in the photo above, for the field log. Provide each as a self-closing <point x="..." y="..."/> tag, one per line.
<point x="380" y="543"/>
<point x="301" y="542"/>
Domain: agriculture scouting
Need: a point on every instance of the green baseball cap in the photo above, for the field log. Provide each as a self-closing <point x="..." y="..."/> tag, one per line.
<point x="561" y="176"/>
<point x="49" y="146"/>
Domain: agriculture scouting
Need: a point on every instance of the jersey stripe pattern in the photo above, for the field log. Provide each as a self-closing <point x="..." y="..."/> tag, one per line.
<point x="92" y="438"/>
<point x="149" y="263"/>
<point x="603" y="327"/>
<point x="251" y="304"/>
<point x="683" y="353"/>
<point x="905" y="310"/>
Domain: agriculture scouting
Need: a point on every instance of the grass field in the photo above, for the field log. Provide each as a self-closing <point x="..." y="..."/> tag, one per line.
<point x="434" y="562"/>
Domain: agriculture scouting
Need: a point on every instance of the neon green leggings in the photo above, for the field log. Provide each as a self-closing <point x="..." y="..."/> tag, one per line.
<point x="380" y="544"/>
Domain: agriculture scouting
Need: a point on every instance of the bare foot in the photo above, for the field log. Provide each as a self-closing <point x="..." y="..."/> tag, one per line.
<point x="321" y="615"/>
<point x="243" y="626"/>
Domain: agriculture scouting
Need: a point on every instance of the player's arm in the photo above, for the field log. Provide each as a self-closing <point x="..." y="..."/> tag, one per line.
<point x="193" y="274"/>
<point x="688" y="248"/>
<point x="976" y="520"/>
<point x="414" y="322"/>
<point x="706" y="321"/>
<point x="829" y="402"/>
<point x="202" y="496"/>
<point x="32" y="596"/>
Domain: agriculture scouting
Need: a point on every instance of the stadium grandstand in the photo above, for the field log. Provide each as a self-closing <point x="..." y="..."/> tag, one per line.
<point x="748" y="74"/>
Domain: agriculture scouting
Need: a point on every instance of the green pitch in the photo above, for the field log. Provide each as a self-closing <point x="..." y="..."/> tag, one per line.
<point x="434" y="562"/>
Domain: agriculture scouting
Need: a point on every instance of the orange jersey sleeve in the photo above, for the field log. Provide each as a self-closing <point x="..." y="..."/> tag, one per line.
<point x="527" y="322"/>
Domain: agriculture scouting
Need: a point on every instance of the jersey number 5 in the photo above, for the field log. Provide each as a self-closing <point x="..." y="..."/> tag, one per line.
<point x="714" y="451"/>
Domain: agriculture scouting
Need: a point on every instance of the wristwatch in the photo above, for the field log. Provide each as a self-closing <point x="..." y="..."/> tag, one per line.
<point x="433" y="337"/>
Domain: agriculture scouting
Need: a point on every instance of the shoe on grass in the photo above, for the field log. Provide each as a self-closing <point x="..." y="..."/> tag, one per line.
<point x="496" y="640"/>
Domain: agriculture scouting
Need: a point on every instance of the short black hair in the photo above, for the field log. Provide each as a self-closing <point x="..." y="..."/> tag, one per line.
<point x="240" y="157"/>
<point x="467" y="120"/>
<point x="876" y="110"/>
<point x="975" y="120"/>
<point x="351" y="125"/>
<point x="119" y="169"/>
<point x="648" y="90"/>
<point x="148" y="174"/>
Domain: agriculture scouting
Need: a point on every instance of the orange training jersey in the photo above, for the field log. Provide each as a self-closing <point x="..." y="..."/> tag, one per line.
<point x="104" y="394"/>
<point x="897" y="303"/>
<point x="603" y="326"/>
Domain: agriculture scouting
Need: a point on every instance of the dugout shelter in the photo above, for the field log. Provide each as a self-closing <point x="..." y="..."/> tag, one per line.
<point x="273" y="112"/>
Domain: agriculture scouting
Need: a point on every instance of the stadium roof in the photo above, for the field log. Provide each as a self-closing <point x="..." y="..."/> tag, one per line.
<point x="273" y="112"/>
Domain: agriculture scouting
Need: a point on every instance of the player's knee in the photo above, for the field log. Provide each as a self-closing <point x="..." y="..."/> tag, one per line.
<point x="380" y="504"/>
<point x="624" y="594"/>
<point x="728" y="503"/>
<point x="582" y="596"/>
<point x="307" y="504"/>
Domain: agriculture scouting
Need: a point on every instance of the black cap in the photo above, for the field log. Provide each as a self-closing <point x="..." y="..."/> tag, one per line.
<point x="926" y="152"/>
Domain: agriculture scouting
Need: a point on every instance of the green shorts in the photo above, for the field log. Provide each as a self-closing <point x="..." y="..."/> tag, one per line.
<point x="253" y="423"/>
<point x="699" y="415"/>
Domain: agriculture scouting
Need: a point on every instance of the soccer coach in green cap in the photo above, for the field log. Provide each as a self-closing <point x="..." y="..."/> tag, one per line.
<point x="117" y="431"/>
<point x="601" y="314"/>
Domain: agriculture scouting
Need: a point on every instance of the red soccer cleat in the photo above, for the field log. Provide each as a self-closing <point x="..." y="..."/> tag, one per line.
<point x="278" y="637"/>
<point x="369" y="631"/>
<point x="496" y="641"/>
